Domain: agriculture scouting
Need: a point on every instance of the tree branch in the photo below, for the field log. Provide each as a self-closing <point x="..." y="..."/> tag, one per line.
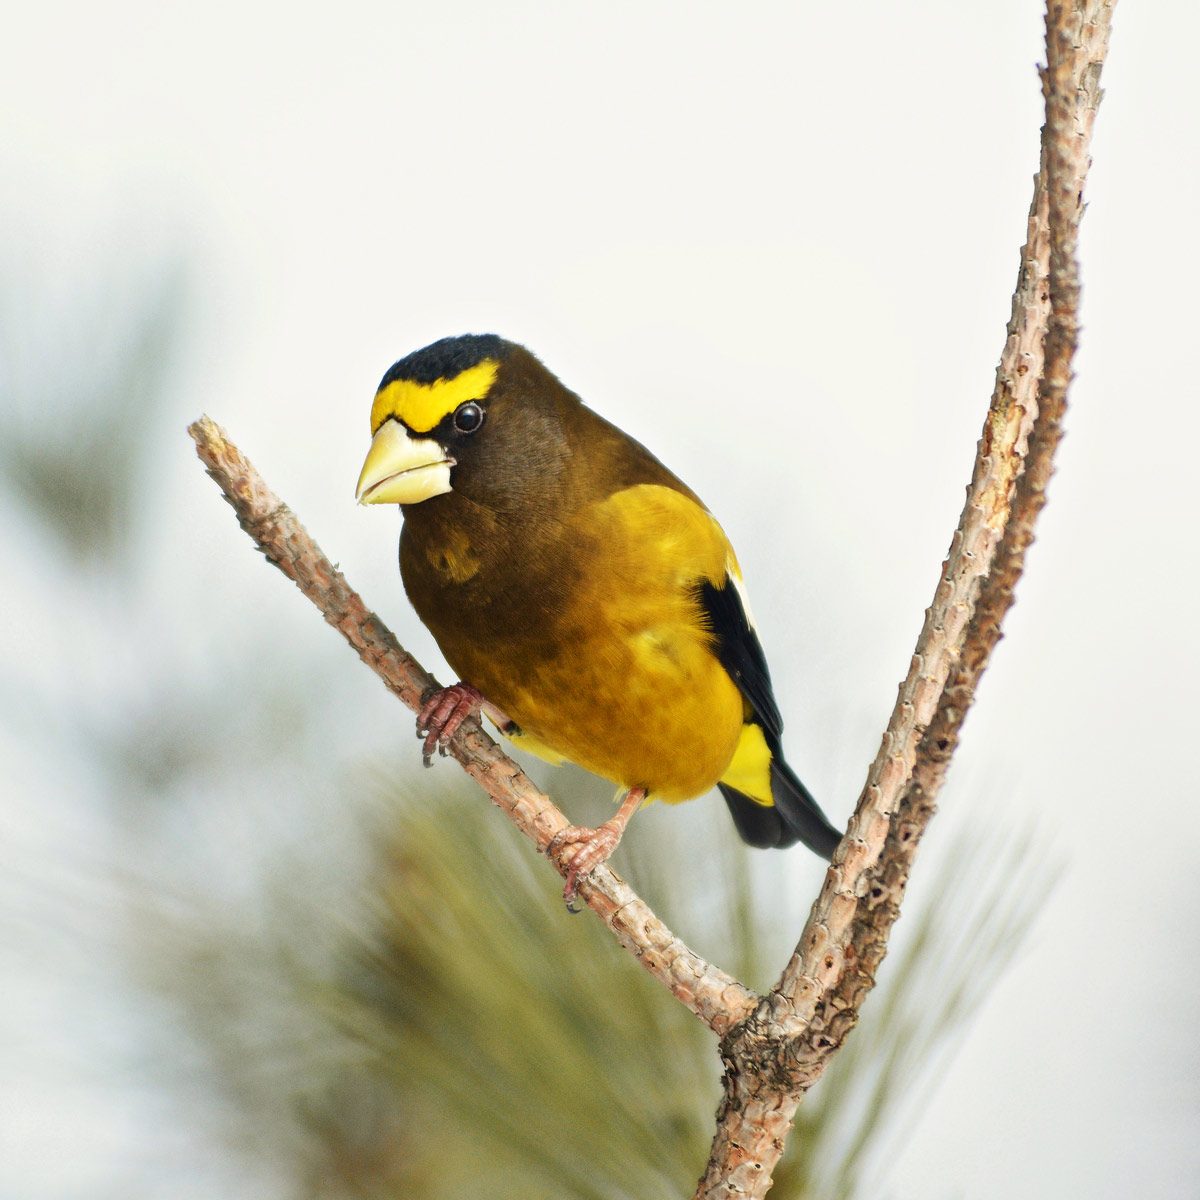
<point x="715" y="997"/>
<point x="1065" y="159"/>
<point x="776" y="1047"/>
<point x="786" y="1045"/>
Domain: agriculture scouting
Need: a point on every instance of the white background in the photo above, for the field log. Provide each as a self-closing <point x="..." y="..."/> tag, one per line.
<point x="777" y="243"/>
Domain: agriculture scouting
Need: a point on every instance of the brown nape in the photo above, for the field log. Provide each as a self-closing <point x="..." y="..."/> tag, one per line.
<point x="541" y="453"/>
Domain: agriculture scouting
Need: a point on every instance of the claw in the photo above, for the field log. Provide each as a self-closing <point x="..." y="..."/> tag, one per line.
<point x="441" y="715"/>
<point x="572" y="835"/>
<point x="595" y="846"/>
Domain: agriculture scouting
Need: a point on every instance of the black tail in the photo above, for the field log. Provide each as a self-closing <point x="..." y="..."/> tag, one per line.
<point x="794" y="817"/>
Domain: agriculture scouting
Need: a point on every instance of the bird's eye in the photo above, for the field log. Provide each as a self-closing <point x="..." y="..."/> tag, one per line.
<point x="468" y="417"/>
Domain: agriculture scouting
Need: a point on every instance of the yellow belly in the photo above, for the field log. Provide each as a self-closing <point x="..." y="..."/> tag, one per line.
<point x="653" y="710"/>
<point x="625" y="683"/>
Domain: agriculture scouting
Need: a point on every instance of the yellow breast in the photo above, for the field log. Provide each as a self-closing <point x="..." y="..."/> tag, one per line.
<point x="634" y="691"/>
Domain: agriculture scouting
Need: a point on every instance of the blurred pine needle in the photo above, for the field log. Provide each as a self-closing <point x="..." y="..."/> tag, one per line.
<point x="76" y="413"/>
<point x="463" y="1036"/>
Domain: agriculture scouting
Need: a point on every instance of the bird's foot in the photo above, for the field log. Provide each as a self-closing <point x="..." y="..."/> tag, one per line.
<point x="595" y="846"/>
<point x="445" y="709"/>
<point x="441" y="715"/>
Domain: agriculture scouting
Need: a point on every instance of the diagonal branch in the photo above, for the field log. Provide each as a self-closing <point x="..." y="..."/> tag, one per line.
<point x="715" y="997"/>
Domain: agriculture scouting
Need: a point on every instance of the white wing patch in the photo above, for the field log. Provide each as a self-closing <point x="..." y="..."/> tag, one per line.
<point x="734" y="573"/>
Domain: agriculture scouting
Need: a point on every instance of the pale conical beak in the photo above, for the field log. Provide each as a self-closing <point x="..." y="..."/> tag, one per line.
<point x="401" y="469"/>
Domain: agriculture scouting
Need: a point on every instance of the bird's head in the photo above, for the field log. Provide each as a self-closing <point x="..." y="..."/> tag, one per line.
<point x="443" y="420"/>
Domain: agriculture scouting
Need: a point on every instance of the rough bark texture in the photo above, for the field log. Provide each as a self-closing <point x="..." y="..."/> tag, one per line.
<point x="816" y="1004"/>
<point x="715" y="997"/>
<point x="775" y="1047"/>
<point x="1069" y="136"/>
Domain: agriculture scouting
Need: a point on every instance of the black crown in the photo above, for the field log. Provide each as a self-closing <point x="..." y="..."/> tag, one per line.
<point x="447" y="358"/>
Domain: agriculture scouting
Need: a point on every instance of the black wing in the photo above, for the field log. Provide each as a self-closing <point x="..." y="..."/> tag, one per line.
<point x="795" y="816"/>
<point x="741" y="654"/>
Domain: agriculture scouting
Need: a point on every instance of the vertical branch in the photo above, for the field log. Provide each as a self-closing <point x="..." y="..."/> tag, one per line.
<point x="1077" y="40"/>
<point x="1074" y="56"/>
<point x="783" y="1049"/>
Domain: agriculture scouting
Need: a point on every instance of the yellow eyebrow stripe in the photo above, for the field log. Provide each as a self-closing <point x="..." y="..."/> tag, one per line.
<point x="421" y="406"/>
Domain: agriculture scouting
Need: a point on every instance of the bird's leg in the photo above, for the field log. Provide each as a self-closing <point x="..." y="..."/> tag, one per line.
<point x="445" y="709"/>
<point x="595" y="845"/>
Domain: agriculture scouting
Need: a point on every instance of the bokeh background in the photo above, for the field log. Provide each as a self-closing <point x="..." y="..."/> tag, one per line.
<point x="776" y="242"/>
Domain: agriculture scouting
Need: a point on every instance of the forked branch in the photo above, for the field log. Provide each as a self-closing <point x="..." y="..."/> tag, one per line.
<point x="775" y="1047"/>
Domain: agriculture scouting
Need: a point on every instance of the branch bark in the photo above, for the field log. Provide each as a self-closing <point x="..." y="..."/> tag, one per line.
<point x="775" y="1047"/>
<point x="786" y="1045"/>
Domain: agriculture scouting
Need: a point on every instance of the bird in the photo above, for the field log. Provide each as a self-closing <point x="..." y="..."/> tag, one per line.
<point x="590" y="604"/>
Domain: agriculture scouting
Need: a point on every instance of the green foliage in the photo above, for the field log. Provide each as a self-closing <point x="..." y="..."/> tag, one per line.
<point x="523" y="1029"/>
<point x="533" y="1057"/>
